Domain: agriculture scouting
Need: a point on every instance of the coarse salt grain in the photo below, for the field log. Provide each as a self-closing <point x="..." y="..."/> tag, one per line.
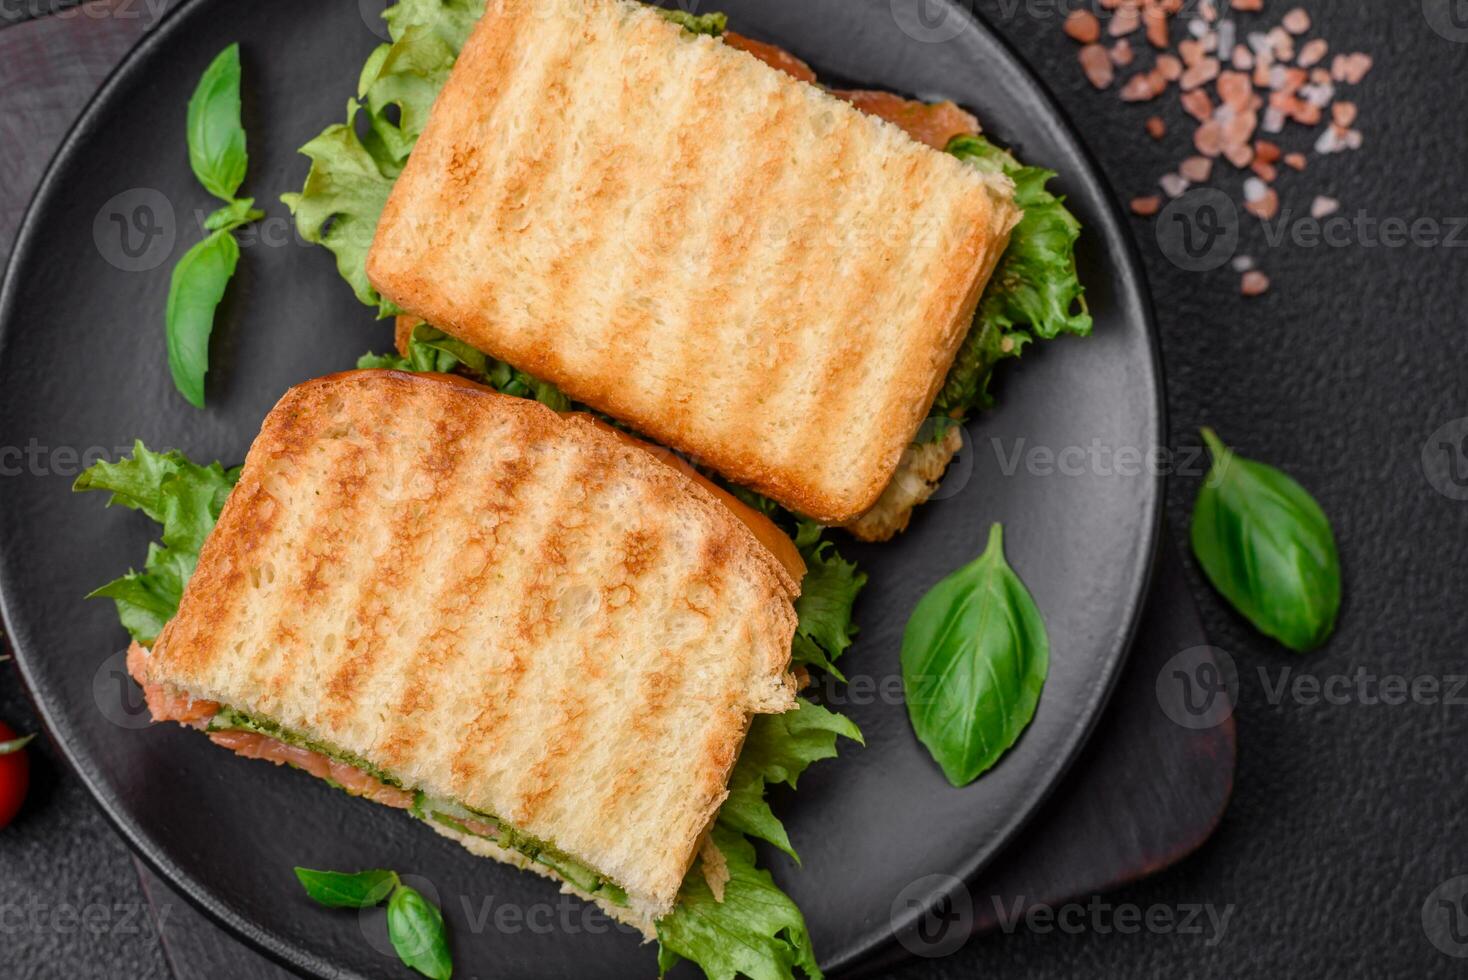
<point x="1126" y="20"/>
<point x="1254" y="283"/>
<point x="1196" y="169"/>
<point x="1083" y="26"/>
<point x="1173" y="185"/>
<point x="1297" y="21"/>
<point x="1096" y="63"/>
<point x="1313" y="51"/>
<point x="1324" y="207"/>
<point x="1146" y="206"/>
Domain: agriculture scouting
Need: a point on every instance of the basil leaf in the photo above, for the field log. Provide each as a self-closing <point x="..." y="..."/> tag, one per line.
<point x="233" y="214"/>
<point x="194" y="294"/>
<point x="974" y="659"/>
<point x="15" y="744"/>
<point x="341" y="890"/>
<point x="416" y="931"/>
<point x="216" y="138"/>
<point x="1266" y="545"/>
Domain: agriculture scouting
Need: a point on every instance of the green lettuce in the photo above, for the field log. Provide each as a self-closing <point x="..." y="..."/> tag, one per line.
<point x="756" y="931"/>
<point x="779" y="748"/>
<point x="186" y="499"/>
<point x="827" y="594"/>
<point x="351" y="175"/>
<point x="1035" y="292"/>
<point x="430" y="349"/>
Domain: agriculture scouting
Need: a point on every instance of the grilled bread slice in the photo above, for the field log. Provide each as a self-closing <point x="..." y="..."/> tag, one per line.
<point x="732" y="260"/>
<point x="486" y="603"/>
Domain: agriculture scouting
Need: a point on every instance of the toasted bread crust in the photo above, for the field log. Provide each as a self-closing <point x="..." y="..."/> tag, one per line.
<point x="783" y="304"/>
<point x="496" y="605"/>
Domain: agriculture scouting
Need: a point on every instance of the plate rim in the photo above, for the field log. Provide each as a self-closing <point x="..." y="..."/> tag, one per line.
<point x="1131" y="276"/>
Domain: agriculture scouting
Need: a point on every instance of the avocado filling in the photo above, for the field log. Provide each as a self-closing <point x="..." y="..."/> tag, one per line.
<point x="474" y="823"/>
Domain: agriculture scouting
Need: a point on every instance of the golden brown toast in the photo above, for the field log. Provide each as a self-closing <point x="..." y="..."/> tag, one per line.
<point x="731" y="260"/>
<point x="496" y="605"/>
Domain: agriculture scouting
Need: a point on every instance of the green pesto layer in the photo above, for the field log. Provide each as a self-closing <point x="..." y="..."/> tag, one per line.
<point x="455" y="816"/>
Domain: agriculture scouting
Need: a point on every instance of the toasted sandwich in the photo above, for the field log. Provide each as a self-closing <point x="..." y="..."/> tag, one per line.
<point x="730" y="259"/>
<point x="528" y="630"/>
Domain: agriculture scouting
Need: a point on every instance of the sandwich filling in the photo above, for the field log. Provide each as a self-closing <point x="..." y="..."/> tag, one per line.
<point x="260" y="738"/>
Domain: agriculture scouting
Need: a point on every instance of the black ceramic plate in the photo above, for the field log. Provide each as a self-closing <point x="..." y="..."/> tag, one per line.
<point x="82" y="366"/>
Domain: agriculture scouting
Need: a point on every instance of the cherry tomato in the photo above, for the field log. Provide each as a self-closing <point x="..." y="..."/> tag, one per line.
<point x="15" y="777"/>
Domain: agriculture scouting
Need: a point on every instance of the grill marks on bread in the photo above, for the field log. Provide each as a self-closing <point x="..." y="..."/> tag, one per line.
<point x="735" y="262"/>
<point x="494" y="604"/>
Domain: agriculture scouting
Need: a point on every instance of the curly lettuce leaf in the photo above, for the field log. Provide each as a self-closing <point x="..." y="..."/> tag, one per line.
<point x="827" y="594"/>
<point x="182" y="496"/>
<point x="351" y="175"/>
<point x="430" y="349"/>
<point x="779" y="748"/>
<point x="344" y="196"/>
<point x="1034" y="294"/>
<point x="755" y="932"/>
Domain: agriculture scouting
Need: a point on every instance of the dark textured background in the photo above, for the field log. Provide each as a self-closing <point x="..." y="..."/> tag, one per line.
<point x="1345" y="816"/>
